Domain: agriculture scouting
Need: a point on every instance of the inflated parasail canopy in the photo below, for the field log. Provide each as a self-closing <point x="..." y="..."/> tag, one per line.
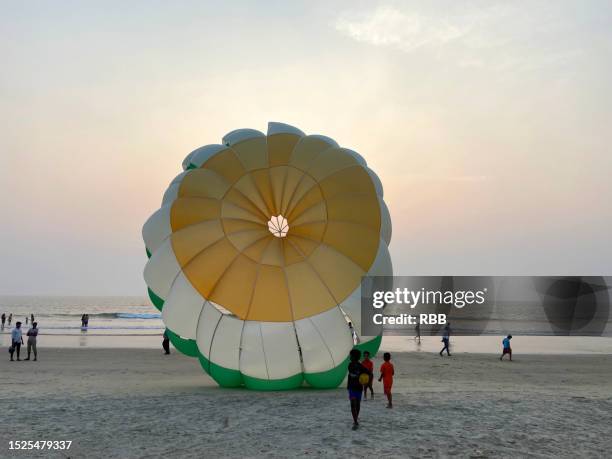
<point x="257" y="254"/>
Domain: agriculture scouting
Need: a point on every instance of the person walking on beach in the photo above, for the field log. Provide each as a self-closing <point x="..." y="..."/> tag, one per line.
<point x="26" y="320"/>
<point x="368" y="365"/>
<point x="353" y="333"/>
<point x="10" y="319"/>
<point x="32" y="318"/>
<point x="446" y="341"/>
<point x="417" y="332"/>
<point x="32" y="334"/>
<point x="386" y="376"/>
<point x="166" y="343"/>
<point x="507" y="349"/>
<point x="354" y="382"/>
<point x="3" y="319"/>
<point x="16" y="340"/>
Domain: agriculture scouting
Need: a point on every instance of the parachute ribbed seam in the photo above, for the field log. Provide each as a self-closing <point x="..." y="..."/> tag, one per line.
<point x="250" y="176"/>
<point x="212" y="340"/>
<point x="262" y="214"/>
<point x="282" y="193"/>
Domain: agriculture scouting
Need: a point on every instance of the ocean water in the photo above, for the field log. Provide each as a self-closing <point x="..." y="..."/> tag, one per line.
<point x="132" y="322"/>
<point x="61" y="315"/>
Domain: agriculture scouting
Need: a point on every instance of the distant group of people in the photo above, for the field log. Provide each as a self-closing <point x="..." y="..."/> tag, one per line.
<point x="10" y="319"/>
<point x="17" y="341"/>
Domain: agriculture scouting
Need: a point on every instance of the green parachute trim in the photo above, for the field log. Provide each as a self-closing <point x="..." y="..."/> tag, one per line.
<point x="292" y="382"/>
<point x="225" y="377"/>
<point x="184" y="345"/>
<point x="371" y="346"/>
<point x="157" y="301"/>
<point x="328" y="379"/>
<point x="191" y="166"/>
<point x="148" y="253"/>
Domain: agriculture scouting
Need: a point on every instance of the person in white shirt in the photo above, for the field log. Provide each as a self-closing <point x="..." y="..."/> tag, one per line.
<point x="16" y="340"/>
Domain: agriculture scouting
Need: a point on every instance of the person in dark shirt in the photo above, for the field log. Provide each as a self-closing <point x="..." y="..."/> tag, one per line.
<point x="166" y="343"/>
<point x="354" y="385"/>
<point x="446" y="341"/>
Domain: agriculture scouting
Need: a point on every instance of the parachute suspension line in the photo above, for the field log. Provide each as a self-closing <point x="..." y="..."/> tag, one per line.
<point x="263" y="348"/>
<point x="297" y="339"/>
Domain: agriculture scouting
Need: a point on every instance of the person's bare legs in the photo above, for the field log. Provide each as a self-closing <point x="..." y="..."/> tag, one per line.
<point x="355" y="405"/>
<point x="389" y="400"/>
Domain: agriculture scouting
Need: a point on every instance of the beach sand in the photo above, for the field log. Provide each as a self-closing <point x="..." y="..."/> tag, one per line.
<point x="140" y="403"/>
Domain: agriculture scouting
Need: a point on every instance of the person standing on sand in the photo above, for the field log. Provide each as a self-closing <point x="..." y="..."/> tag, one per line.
<point x="368" y="365"/>
<point x="446" y="341"/>
<point x="387" y="370"/>
<point x="16" y="340"/>
<point x="417" y="332"/>
<point x="32" y="334"/>
<point x="353" y="384"/>
<point x="3" y="319"/>
<point x="26" y="320"/>
<point x="10" y="319"/>
<point x="32" y="318"/>
<point x="507" y="349"/>
<point x="166" y="343"/>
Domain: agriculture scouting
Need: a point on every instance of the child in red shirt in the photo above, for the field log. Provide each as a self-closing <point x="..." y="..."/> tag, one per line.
<point x="368" y="365"/>
<point x="386" y="376"/>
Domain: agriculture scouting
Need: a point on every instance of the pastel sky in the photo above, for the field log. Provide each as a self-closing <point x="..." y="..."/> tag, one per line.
<point x="490" y="125"/>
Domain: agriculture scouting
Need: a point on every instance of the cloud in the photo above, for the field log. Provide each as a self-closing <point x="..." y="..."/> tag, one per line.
<point x="389" y="26"/>
<point x="499" y="36"/>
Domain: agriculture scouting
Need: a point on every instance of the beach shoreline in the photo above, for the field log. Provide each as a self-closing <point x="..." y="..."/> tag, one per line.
<point x="536" y="345"/>
<point x="141" y="403"/>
